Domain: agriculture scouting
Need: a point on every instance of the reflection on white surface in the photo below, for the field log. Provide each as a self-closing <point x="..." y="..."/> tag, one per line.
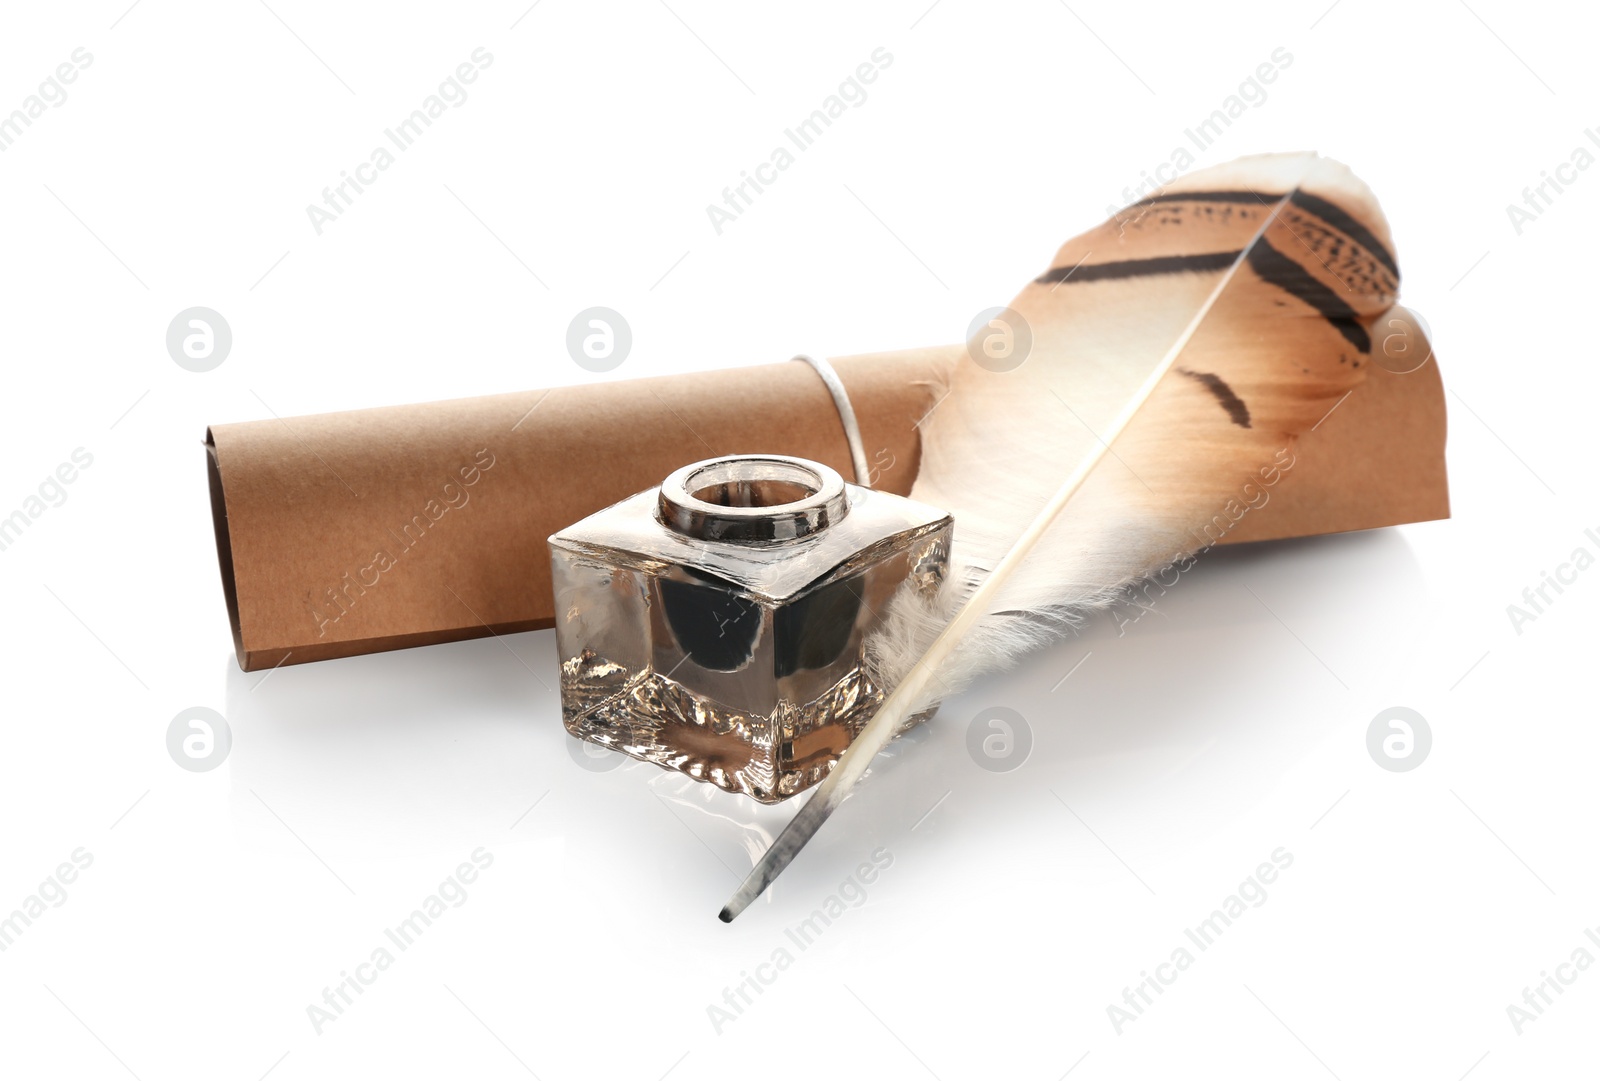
<point x="399" y="752"/>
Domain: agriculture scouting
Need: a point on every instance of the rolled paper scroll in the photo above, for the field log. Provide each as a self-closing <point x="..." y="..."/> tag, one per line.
<point x="378" y="529"/>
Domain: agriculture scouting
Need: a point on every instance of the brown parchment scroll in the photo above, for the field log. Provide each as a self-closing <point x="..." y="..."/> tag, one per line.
<point x="379" y="529"/>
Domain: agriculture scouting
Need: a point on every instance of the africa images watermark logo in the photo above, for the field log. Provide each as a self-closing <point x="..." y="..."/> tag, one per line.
<point x="1550" y="586"/>
<point x="1543" y="994"/>
<point x="451" y="893"/>
<point x="1134" y="600"/>
<point x="851" y="894"/>
<point x="199" y="739"/>
<point x="851" y="94"/>
<point x="1251" y="893"/>
<point x="451" y="93"/>
<point x="199" y="339"/>
<point x="338" y="600"/>
<point x="52" y="94"/>
<point x="1538" y="198"/>
<point x="50" y="493"/>
<point x="51" y="893"/>
<point x="1252" y="93"/>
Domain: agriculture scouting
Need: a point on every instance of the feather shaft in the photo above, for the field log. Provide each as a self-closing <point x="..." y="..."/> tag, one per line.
<point x="902" y="701"/>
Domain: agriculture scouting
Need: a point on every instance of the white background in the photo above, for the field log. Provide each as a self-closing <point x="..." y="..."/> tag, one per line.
<point x="218" y="906"/>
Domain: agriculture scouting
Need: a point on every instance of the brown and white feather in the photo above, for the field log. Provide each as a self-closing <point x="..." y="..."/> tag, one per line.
<point x="1176" y="349"/>
<point x="1282" y="344"/>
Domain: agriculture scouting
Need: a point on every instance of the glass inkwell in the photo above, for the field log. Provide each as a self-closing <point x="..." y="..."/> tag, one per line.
<point x="718" y="625"/>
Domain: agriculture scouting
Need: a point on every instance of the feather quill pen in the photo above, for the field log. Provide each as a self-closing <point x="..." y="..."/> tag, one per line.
<point x="1178" y="351"/>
